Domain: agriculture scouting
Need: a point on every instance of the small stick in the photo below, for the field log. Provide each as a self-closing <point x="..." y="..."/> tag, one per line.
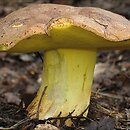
<point x="39" y="104"/>
<point x="39" y="55"/>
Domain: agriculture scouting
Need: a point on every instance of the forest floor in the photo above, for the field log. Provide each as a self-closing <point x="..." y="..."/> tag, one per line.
<point x="20" y="79"/>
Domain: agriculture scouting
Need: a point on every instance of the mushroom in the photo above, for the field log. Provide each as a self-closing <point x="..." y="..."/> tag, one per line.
<point x="70" y="37"/>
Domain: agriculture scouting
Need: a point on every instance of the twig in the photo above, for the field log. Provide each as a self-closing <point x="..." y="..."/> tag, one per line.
<point x="111" y="96"/>
<point x="39" y="55"/>
<point x="15" y="126"/>
<point x="39" y="104"/>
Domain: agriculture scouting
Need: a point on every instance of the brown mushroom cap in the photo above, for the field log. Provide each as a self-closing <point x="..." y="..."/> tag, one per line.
<point x="50" y="26"/>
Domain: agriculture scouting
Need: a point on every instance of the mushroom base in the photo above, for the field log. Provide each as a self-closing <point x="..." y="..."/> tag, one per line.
<point x="67" y="77"/>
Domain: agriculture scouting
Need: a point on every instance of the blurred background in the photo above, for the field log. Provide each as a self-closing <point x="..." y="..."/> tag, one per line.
<point x="20" y="73"/>
<point x="118" y="6"/>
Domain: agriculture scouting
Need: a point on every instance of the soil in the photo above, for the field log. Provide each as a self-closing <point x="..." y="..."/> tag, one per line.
<point x="20" y="78"/>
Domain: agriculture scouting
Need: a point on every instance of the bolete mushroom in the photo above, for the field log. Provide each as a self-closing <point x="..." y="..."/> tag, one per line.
<point x="70" y="38"/>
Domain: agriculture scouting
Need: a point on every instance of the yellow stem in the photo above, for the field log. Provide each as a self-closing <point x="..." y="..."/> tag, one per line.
<point x="68" y="76"/>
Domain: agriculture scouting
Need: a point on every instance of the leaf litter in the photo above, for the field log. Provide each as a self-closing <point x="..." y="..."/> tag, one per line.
<point x="110" y="102"/>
